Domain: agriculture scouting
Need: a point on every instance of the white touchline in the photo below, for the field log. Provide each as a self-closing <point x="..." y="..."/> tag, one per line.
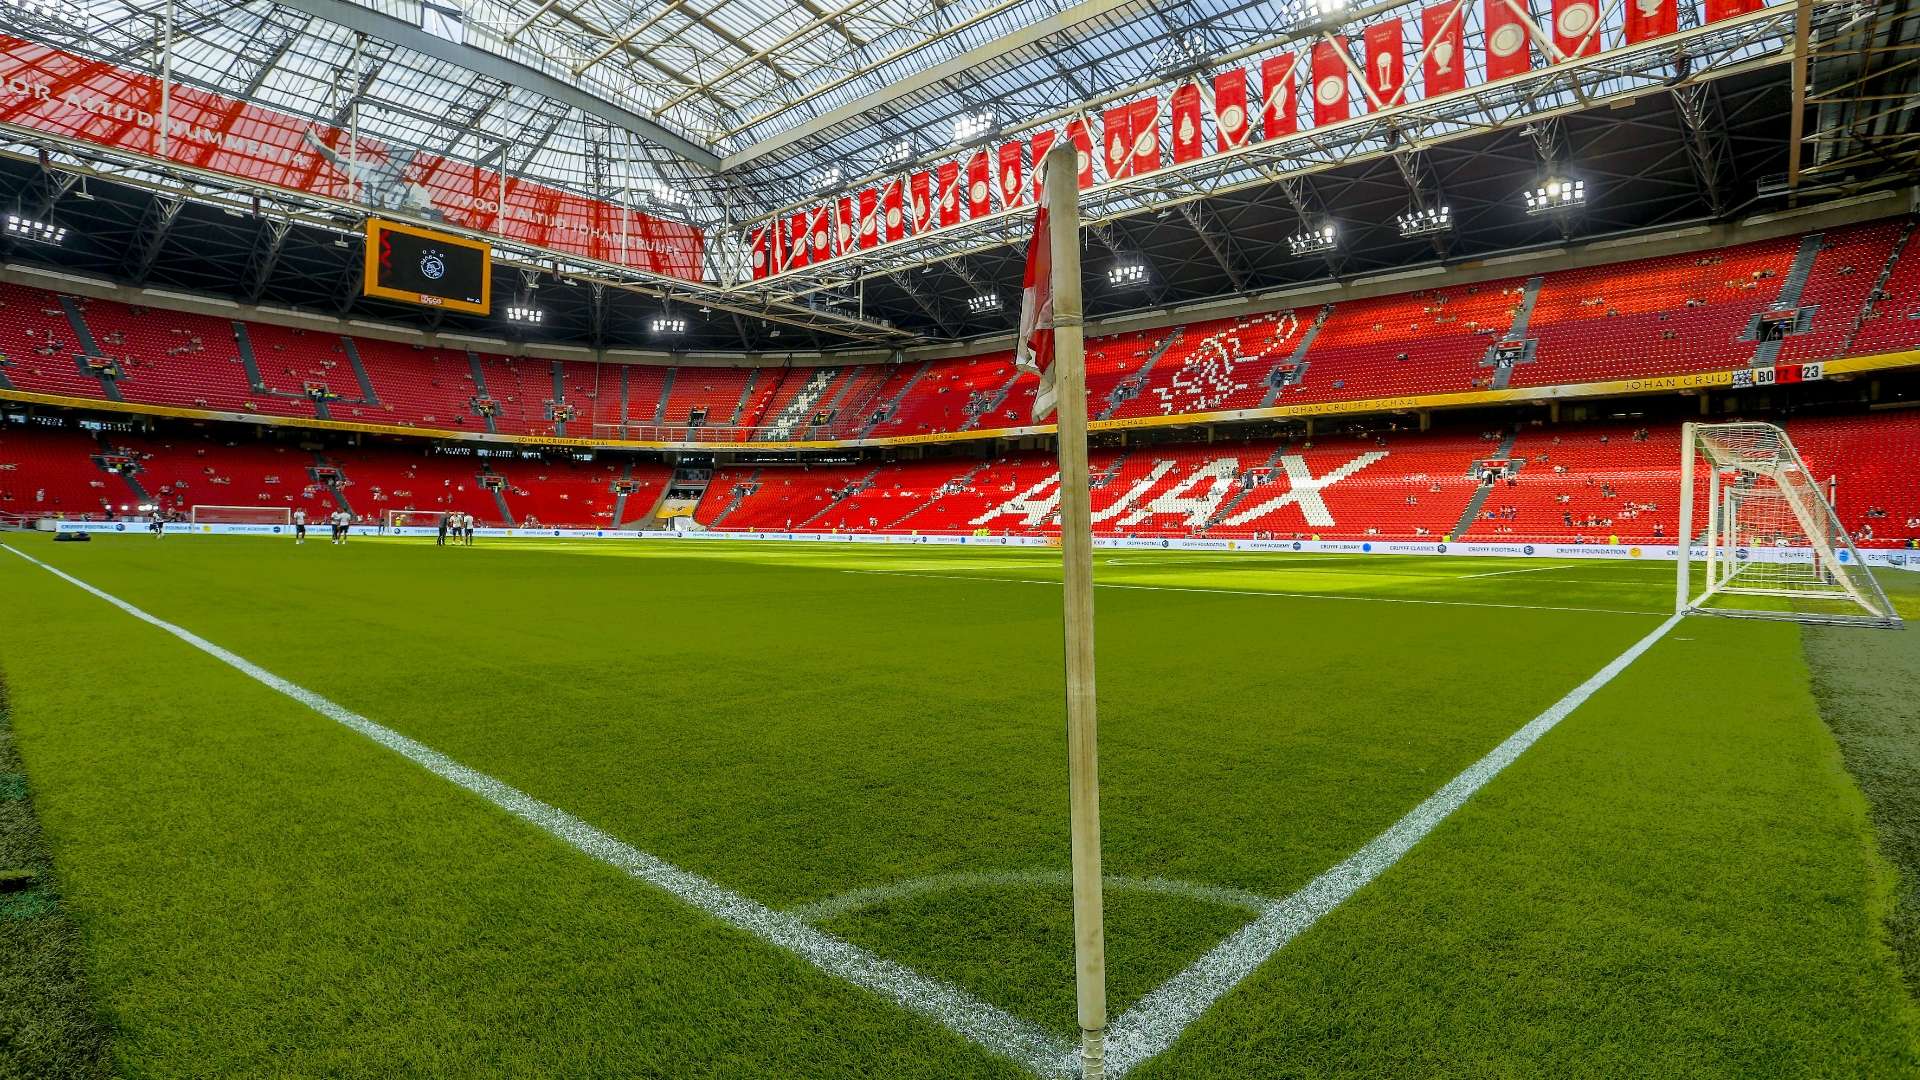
<point x="998" y="1031"/>
<point x="1525" y="570"/>
<point x="1259" y="592"/>
<point x="1156" y="1020"/>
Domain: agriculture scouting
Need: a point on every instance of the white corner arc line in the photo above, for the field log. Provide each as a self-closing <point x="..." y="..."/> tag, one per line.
<point x="991" y="1028"/>
<point x="1156" y="1020"/>
<point x="858" y="899"/>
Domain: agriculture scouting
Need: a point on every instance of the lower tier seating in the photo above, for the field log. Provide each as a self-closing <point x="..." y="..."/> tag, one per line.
<point x="1591" y="483"/>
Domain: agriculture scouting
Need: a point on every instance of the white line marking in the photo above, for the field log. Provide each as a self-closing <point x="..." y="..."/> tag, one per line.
<point x="1262" y="592"/>
<point x="860" y="899"/>
<point x="1156" y="1020"/>
<point x="1525" y="570"/>
<point x="1000" y="1032"/>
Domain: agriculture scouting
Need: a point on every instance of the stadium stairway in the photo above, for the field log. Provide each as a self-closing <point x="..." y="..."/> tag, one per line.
<point x="801" y="405"/>
<point x="499" y="496"/>
<point x="480" y="387"/>
<point x="88" y="347"/>
<point x="620" y="497"/>
<point x="892" y="405"/>
<point x="1244" y="489"/>
<point x="337" y="491"/>
<point x="1134" y="384"/>
<point x="367" y="394"/>
<point x="1497" y="356"/>
<point x="840" y="496"/>
<point x="1869" y="310"/>
<point x="1294" y="368"/>
<point x="1767" y="352"/>
<point x="1479" y="501"/>
<point x="666" y="391"/>
<point x="735" y="497"/>
<point x="556" y="413"/>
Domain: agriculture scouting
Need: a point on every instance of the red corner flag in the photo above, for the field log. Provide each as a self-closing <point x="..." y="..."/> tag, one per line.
<point x="1033" y="349"/>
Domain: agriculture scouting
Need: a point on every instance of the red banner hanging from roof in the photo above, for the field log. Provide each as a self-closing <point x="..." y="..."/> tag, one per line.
<point x="1082" y="141"/>
<point x="1330" y="74"/>
<point x="947" y="192"/>
<point x="1279" y="104"/>
<point x="1649" y="19"/>
<point x="1230" y="108"/>
<point x="1386" y="63"/>
<point x="893" y="215"/>
<point x="920" y="187"/>
<point x="979" y="188"/>
<point x="1011" y="192"/>
<point x="1576" y="27"/>
<point x="869" y="218"/>
<point x="1116" y="131"/>
<point x="1145" y="121"/>
<point x="59" y="93"/>
<point x="1186" y="123"/>
<point x="1443" y="34"/>
<point x="1507" y="54"/>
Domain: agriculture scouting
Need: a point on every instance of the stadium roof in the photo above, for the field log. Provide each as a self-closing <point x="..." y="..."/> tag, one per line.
<point x="721" y="111"/>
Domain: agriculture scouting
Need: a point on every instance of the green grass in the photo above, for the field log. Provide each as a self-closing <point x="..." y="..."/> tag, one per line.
<point x="1865" y="684"/>
<point x="1680" y="880"/>
<point x="48" y="1028"/>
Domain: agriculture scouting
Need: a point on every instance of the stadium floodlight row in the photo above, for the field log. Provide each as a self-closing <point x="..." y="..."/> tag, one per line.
<point x="1788" y="308"/>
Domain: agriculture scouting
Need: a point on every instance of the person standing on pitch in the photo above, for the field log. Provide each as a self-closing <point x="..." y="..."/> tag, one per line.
<point x="441" y="539"/>
<point x="466" y="528"/>
<point x="299" y="526"/>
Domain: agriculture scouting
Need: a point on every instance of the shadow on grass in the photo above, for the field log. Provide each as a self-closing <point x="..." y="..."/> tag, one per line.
<point x="50" y="1028"/>
<point x="1865" y="681"/>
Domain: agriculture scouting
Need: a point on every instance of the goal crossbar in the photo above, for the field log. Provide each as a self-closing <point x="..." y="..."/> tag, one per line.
<point x="1768" y="532"/>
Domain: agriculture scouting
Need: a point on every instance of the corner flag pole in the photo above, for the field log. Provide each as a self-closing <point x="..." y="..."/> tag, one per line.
<point x="1076" y="553"/>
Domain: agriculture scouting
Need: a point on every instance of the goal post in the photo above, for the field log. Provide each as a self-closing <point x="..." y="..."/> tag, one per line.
<point x="418" y="519"/>
<point x="1770" y="545"/>
<point x="201" y="514"/>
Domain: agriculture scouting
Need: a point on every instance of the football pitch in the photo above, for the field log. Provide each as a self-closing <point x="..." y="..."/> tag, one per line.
<point x="713" y="809"/>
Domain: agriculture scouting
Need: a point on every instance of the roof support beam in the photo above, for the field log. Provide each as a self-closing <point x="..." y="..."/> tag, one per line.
<point x="1027" y="35"/>
<point x="410" y="37"/>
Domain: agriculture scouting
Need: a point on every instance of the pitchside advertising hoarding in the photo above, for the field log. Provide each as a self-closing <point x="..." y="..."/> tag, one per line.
<point x="1898" y="558"/>
<point x="49" y="90"/>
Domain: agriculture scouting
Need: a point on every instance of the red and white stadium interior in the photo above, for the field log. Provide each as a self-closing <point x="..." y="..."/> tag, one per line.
<point x="1466" y="302"/>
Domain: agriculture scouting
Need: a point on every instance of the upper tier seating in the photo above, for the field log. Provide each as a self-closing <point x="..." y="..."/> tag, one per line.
<point x="1669" y="315"/>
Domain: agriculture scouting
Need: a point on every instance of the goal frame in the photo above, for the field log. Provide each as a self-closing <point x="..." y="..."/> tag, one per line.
<point x="420" y="519"/>
<point x="1832" y="569"/>
<point x="195" y="511"/>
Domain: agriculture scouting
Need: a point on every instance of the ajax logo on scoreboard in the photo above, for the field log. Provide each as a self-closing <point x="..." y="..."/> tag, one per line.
<point x="433" y="265"/>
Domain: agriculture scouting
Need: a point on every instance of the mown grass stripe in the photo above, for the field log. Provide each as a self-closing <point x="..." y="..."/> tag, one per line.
<point x="1155" y="1021"/>
<point x="990" y="1027"/>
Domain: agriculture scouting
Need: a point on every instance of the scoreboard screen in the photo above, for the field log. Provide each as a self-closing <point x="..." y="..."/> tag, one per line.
<point x="434" y="269"/>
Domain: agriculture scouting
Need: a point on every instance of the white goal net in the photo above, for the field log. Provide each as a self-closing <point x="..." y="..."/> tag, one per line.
<point x="240" y="515"/>
<point x="1770" y="542"/>
<point x="418" y="519"/>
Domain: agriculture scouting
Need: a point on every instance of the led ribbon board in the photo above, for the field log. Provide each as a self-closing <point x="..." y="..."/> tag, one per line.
<point x="433" y="269"/>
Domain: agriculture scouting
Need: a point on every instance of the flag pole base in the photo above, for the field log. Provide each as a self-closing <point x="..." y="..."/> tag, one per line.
<point x="1093" y="1054"/>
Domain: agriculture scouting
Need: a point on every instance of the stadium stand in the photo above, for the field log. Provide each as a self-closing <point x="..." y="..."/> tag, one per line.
<point x="1589" y="483"/>
<point x="1853" y="290"/>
